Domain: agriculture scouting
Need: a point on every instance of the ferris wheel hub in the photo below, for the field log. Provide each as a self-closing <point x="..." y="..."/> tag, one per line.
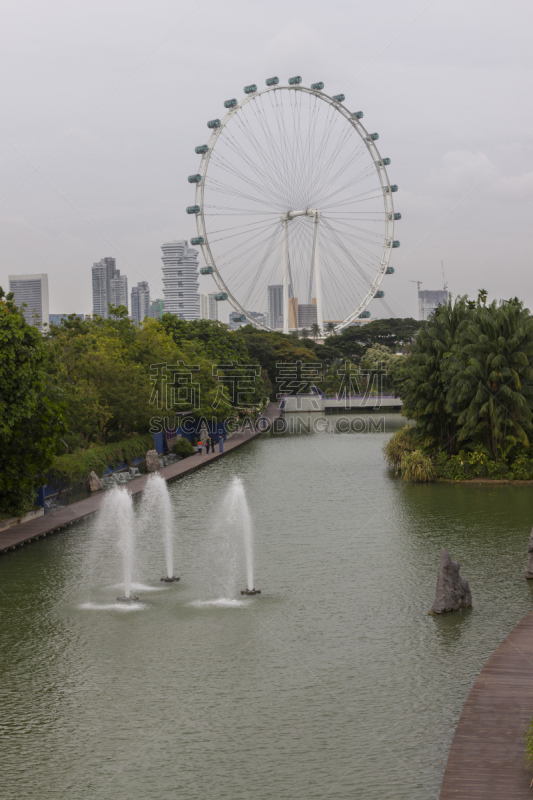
<point x="306" y="212"/>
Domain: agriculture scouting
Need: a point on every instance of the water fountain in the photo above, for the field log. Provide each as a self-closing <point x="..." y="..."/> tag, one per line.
<point x="117" y="516"/>
<point x="239" y="510"/>
<point x="156" y="512"/>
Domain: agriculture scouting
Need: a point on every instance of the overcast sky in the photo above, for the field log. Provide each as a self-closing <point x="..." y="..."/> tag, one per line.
<point x="104" y="102"/>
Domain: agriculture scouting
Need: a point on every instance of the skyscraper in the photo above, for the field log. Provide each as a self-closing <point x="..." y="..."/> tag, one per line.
<point x="32" y="290"/>
<point x="208" y="306"/>
<point x="109" y="287"/>
<point x="429" y="300"/>
<point x="180" y="280"/>
<point x="275" y="306"/>
<point x="140" y="301"/>
<point x="156" y="309"/>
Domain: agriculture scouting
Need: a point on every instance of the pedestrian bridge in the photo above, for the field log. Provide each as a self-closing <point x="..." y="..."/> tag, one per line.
<point x="340" y="405"/>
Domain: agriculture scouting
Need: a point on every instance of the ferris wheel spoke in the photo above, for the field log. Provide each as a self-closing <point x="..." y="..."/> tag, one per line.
<point x="317" y="168"/>
<point x="257" y="182"/>
<point x="367" y="258"/>
<point x="264" y="165"/>
<point x="244" y="247"/>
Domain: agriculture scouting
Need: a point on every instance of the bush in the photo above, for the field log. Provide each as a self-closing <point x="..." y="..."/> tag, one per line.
<point x="182" y="448"/>
<point x="70" y="469"/>
<point x="400" y="444"/>
<point x="417" y="467"/>
<point x="528" y="736"/>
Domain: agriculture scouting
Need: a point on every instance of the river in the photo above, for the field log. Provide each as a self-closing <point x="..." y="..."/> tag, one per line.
<point x="333" y="683"/>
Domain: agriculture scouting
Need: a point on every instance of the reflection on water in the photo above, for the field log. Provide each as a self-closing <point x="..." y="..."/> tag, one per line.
<point x="334" y="683"/>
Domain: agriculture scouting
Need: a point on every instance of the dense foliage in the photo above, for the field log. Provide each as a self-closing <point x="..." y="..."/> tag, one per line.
<point x="468" y="384"/>
<point x="82" y="396"/>
<point x="31" y="416"/>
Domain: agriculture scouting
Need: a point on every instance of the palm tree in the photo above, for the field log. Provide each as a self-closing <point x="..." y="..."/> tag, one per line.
<point x="492" y="388"/>
<point x="304" y="333"/>
<point x="315" y="330"/>
<point x="423" y="382"/>
<point x="330" y="327"/>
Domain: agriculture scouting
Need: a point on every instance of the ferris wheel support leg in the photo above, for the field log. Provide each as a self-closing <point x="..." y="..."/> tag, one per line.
<point x="285" y="224"/>
<point x="318" y="280"/>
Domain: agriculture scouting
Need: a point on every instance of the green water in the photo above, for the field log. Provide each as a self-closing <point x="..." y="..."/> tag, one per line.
<point x="334" y="683"/>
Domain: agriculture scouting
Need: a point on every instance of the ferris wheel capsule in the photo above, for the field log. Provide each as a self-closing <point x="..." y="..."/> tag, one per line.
<point x="317" y="87"/>
<point x="251" y="89"/>
<point x="231" y="103"/>
<point x="272" y="81"/>
<point x="214" y="123"/>
<point x="198" y="240"/>
<point x="340" y="98"/>
<point x="358" y="115"/>
<point x="202" y="149"/>
<point x="194" y="178"/>
<point x="389" y="271"/>
<point x="295" y="81"/>
<point x="205" y="270"/>
<point x="379" y="294"/>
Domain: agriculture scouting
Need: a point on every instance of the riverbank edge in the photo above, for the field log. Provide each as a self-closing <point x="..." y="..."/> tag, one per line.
<point x="501" y="481"/>
<point x="64" y="517"/>
<point x="486" y="758"/>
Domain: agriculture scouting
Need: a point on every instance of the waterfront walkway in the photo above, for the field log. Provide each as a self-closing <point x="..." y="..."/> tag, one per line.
<point x="486" y="760"/>
<point x="65" y="516"/>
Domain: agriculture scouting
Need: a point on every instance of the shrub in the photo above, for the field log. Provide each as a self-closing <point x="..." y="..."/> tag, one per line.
<point x="400" y="444"/>
<point x="528" y="736"/>
<point x="182" y="448"/>
<point x="417" y="467"/>
<point x="70" y="469"/>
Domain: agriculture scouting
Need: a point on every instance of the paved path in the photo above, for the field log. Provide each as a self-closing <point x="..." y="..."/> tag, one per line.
<point x="486" y="760"/>
<point x="63" y="517"/>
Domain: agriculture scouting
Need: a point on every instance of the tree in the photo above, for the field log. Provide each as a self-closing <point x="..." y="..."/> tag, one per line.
<point x="423" y="381"/>
<point x="491" y="388"/>
<point x="316" y="330"/>
<point x="31" y="418"/>
<point x="330" y="327"/>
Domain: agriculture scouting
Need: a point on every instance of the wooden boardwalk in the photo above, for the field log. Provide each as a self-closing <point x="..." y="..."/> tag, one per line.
<point x="64" y="517"/>
<point x="486" y="760"/>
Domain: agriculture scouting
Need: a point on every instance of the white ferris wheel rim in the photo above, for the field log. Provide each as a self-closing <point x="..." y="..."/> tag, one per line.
<point x="381" y="170"/>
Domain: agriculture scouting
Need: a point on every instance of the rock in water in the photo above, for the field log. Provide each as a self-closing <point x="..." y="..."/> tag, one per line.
<point x="453" y="592"/>
<point x="529" y="570"/>
<point x="94" y="484"/>
<point x="152" y="460"/>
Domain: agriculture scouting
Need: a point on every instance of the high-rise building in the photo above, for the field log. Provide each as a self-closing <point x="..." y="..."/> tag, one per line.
<point x="109" y="287"/>
<point x="429" y="300"/>
<point x="32" y="290"/>
<point x="307" y="315"/>
<point x="156" y="309"/>
<point x="208" y="307"/>
<point x="180" y="280"/>
<point x="119" y="290"/>
<point x="140" y="301"/>
<point x="275" y="306"/>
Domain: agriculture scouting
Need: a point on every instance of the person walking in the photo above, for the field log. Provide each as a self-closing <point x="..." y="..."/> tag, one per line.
<point x="207" y="443"/>
<point x="199" y="448"/>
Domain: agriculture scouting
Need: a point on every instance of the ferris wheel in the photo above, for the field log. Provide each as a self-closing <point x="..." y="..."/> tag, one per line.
<point x="294" y="208"/>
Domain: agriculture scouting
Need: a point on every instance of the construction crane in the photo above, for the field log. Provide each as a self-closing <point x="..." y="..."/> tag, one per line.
<point x="445" y="282"/>
<point x="418" y="284"/>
